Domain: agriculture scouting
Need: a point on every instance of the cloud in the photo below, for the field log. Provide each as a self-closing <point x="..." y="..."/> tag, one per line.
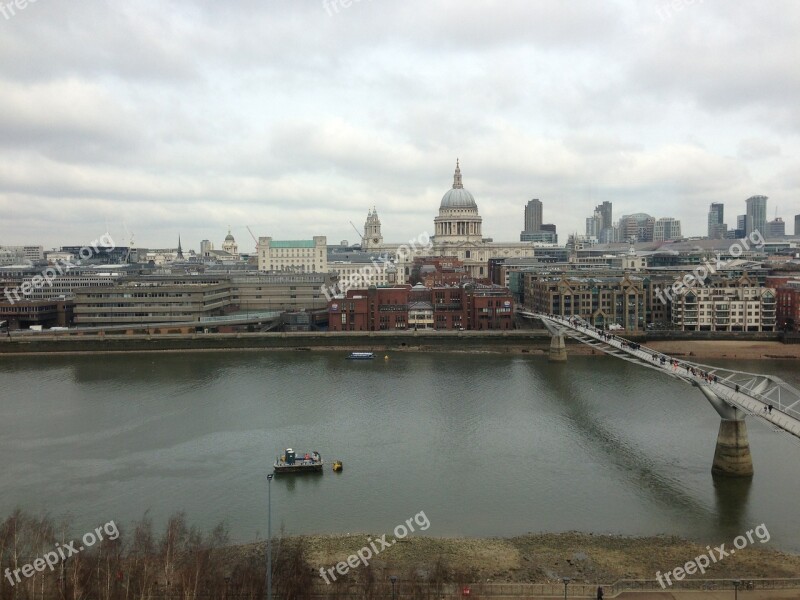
<point x="192" y="115"/>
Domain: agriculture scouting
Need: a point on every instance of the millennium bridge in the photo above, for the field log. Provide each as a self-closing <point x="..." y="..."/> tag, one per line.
<point x="733" y="394"/>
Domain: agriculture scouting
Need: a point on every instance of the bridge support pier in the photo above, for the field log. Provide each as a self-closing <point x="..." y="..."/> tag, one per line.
<point x="558" y="349"/>
<point x="732" y="456"/>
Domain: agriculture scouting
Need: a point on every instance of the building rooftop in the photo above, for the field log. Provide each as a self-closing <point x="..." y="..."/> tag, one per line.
<point x="292" y="244"/>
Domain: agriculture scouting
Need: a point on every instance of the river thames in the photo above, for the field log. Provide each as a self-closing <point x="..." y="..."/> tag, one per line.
<point x="484" y="444"/>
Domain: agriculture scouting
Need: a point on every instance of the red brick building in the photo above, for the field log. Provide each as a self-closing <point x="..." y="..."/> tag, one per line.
<point x="469" y="307"/>
<point x="787" y="312"/>
<point x="439" y="271"/>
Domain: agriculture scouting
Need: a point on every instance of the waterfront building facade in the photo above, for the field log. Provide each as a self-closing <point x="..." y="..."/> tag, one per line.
<point x="469" y="307"/>
<point x="28" y="313"/>
<point x="152" y="300"/>
<point x="788" y="306"/>
<point x="601" y="301"/>
<point x="278" y="291"/>
<point x="725" y="305"/>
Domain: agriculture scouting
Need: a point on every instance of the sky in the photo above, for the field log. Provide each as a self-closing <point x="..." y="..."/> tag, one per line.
<point x="154" y="119"/>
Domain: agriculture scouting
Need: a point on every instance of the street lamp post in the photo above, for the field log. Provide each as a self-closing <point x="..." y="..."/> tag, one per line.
<point x="393" y="579"/>
<point x="566" y="583"/>
<point x="736" y="584"/>
<point x="269" y="536"/>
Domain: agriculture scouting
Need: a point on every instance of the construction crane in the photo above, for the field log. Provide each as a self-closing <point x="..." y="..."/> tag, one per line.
<point x="358" y="233"/>
<point x="253" y="236"/>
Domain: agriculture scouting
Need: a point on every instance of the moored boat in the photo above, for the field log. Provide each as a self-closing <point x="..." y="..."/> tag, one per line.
<point x="289" y="462"/>
<point x="361" y="356"/>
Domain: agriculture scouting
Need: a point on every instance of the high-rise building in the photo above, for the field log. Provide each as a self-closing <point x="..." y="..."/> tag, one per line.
<point x="533" y="216"/>
<point x="776" y="228"/>
<point x="638" y="227"/>
<point x="667" y="228"/>
<point x="741" y="226"/>
<point x="797" y="225"/>
<point x="716" y="221"/>
<point x="600" y="224"/>
<point x="534" y="229"/>
<point x="756" y="214"/>
<point x="592" y="226"/>
<point x="605" y="231"/>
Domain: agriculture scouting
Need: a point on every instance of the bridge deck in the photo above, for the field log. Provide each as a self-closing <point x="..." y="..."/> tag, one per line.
<point x="750" y="393"/>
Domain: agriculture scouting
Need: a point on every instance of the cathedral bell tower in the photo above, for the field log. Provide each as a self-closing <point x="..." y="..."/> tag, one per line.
<point x="372" y="231"/>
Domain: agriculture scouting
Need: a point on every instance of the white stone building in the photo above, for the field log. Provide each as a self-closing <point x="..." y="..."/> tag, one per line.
<point x="293" y="256"/>
<point x="727" y="305"/>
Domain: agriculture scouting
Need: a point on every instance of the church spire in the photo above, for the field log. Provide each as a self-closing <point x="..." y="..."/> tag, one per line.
<point x="457" y="185"/>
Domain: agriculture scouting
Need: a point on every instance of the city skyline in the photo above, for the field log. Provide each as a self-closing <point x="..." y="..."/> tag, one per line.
<point x="244" y="238"/>
<point x="189" y="119"/>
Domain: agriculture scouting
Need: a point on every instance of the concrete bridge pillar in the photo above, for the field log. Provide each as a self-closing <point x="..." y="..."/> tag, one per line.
<point x="558" y="349"/>
<point x="732" y="457"/>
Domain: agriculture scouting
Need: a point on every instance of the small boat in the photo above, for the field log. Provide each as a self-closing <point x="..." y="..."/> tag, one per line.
<point x="337" y="465"/>
<point x="289" y="462"/>
<point x="361" y="356"/>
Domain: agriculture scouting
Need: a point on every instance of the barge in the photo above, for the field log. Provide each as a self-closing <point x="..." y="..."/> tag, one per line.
<point x="289" y="462"/>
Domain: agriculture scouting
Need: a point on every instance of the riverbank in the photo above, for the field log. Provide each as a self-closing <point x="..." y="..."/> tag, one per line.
<point x="586" y="559"/>
<point x="525" y="342"/>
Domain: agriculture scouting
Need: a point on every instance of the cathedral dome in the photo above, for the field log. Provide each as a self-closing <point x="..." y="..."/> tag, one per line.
<point x="458" y="197"/>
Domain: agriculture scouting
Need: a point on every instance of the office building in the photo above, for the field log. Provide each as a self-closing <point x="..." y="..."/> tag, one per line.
<point x="600" y="225"/>
<point x="776" y="229"/>
<point x="666" y="228"/>
<point x="535" y="230"/>
<point x="533" y="216"/>
<point x="716" y="221"/>
<point x="639" y="227"/>
<point x="756" y="214"/>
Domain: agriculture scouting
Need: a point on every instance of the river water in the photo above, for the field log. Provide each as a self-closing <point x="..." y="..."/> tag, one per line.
<point x="484" y="444"/>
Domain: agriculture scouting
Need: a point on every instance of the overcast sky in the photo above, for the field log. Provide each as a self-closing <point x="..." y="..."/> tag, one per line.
<point x="295" y="117"/>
